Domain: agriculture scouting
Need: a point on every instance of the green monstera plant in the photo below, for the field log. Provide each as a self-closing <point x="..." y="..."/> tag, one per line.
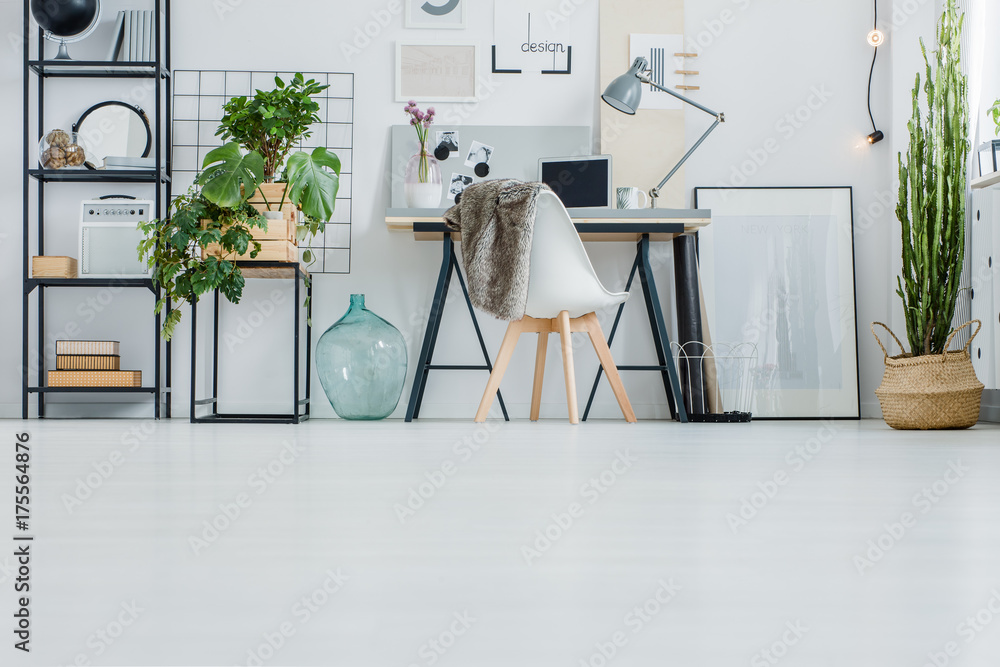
<point x="216" y="212"/>
<point x="269" y="125"/>
<point x="932" y="194"/>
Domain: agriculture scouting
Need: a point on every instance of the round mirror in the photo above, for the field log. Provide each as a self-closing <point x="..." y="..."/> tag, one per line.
<point x="117" y="135"/>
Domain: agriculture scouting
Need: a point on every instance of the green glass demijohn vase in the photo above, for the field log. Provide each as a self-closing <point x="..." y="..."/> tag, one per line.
<point x="362" y="364"/>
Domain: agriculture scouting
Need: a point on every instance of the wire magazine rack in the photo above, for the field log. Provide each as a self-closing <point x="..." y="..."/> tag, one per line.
<point x="718" y="381"/>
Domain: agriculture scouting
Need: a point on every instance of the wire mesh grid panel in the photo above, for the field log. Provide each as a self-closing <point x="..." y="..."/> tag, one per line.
<point x="199" y="96"/>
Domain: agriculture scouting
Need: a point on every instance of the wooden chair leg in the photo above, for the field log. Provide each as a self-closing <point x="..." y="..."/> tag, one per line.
<point x="536" y="392"/>
<point x="499" y="368"/>
<point x="600" y="344"/>
<point x="565" y="332"/>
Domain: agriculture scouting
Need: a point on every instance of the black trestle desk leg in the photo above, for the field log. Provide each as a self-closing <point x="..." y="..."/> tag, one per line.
<point x="431" y="332"/>
<point x="479" y="332"/>
<point x="661" y="338"/>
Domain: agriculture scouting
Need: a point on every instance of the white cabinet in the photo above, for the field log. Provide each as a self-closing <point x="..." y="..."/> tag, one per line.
<point x="984" y="255"/>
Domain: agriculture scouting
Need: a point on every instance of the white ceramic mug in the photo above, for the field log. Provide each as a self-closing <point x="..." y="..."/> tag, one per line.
<point x="630" y="198"/>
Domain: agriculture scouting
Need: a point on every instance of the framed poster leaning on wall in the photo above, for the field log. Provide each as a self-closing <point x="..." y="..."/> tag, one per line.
<point x="777" y="267"/>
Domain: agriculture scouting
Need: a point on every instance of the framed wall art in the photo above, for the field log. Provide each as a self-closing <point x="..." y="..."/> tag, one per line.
<point x="777" y="268"/>
<point x="532" y="37"/>
<point x="436" y="72"/>
<point x="436" y="14"/>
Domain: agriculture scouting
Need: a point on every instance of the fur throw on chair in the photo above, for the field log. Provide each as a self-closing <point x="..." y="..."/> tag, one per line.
<point x="497" y="219"/>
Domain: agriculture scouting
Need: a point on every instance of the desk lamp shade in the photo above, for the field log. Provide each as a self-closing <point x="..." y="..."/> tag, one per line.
<point x="66" y="21"/>
<point x="625" y="92"/>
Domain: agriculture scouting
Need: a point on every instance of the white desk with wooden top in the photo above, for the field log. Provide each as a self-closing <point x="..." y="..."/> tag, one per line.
<point x="639" y="226"/>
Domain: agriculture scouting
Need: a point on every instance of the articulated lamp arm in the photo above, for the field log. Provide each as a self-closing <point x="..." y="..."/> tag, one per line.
<point x="719" y="118"/>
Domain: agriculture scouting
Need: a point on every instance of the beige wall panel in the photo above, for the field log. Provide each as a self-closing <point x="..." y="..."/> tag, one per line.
<point x="647" y="145"/>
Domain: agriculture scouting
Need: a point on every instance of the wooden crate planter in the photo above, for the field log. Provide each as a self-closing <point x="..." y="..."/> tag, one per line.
<point x="270" y="251"/>
<point x="277" y="230"/>
<point x="278" y="242"/>
<point x="273" y="191"/>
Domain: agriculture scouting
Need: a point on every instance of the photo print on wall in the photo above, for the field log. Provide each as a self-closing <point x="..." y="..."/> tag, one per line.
<point x="458" y="184"/>
<point x="448" y="139"/>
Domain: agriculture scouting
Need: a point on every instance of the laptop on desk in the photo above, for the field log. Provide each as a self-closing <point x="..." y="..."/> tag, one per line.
<point x="582" y="181"/>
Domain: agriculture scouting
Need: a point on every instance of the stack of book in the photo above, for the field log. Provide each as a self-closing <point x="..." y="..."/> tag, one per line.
<point x="91" y="363"/>
<point x="134" y="37"/>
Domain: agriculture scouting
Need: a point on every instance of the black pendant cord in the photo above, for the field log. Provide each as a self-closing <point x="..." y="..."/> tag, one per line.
<point x="871" y="73"/>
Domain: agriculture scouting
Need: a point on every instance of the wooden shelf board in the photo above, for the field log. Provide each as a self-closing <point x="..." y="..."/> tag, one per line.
<point x="987" y="181"/>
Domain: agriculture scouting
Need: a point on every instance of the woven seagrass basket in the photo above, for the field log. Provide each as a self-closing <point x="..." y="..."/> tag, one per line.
<point x="935" y="391"/>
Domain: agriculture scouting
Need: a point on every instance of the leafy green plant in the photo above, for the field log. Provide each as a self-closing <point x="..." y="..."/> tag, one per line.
<point x="172" y="249"/>
<point x="260" y="134"/>
<point x="995" y="112"/>
<point x="271" y="122"/>
<point x="269" y="125"/>
<point x="932" y="185"/>
<point x="229" y="175"/>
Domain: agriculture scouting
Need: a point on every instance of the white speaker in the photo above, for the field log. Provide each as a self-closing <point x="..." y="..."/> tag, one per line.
<point x="109" y="237"/>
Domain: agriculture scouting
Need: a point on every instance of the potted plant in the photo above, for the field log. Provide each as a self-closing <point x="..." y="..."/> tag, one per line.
<point x="208" y="230"/>
<point x="270" y="124"/>
<point x="930" y="387"/>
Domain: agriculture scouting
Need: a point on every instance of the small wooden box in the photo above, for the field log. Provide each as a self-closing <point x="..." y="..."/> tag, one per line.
<point x="270" y="251"/>
<point x="88" y="362"/>
<point x="95" y="378"/>
<point x="53" y="267"/>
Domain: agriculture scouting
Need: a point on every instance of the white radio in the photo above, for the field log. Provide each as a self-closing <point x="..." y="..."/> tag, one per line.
<point x="109" y="237"/>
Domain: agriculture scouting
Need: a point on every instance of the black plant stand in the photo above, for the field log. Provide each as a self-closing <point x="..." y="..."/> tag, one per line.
<point x="301" y="409"/>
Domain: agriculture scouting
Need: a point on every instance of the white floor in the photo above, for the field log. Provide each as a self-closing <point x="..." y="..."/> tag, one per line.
<point x="649" y="564"/>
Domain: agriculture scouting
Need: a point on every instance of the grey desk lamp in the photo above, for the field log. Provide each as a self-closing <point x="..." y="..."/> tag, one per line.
<point x="625" y="93"/>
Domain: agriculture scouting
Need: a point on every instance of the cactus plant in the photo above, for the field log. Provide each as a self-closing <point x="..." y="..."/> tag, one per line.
<point x="932" y="194"/>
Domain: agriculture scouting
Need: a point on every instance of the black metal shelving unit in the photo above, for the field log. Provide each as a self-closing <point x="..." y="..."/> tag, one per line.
<point x="41" y="70"/>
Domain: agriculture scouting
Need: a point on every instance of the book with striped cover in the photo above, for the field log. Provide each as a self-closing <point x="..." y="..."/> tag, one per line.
<point x="88" y="362"/>
<point x="87" y="347"/>
<point x="95" y="378"/>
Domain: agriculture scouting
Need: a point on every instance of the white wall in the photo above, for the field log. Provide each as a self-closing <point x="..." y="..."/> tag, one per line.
<point x="760" y="61"/>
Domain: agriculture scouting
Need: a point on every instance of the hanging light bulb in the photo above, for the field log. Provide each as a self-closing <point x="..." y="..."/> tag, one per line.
<point x="876" y="38"/>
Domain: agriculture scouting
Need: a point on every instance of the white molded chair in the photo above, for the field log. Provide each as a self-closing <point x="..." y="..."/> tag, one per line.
<point x="563" y="294"/>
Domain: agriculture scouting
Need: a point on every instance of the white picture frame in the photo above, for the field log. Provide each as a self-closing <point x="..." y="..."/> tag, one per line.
<point x="416" y="15"/>
<point x="777" y="268"/>
<point x="453" y="78"/>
